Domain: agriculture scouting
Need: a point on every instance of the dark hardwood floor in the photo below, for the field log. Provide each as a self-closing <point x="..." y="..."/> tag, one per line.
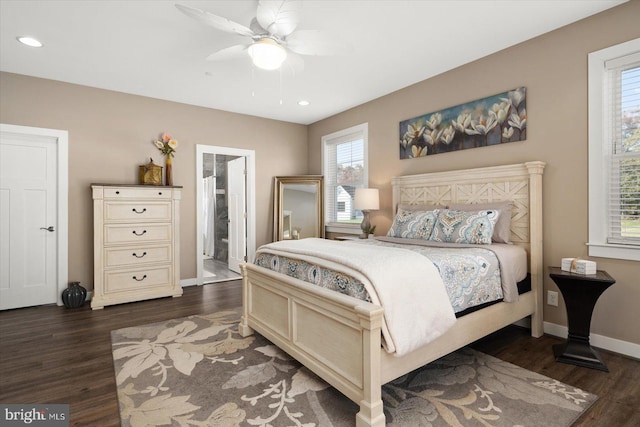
<point x="50" y="354"/>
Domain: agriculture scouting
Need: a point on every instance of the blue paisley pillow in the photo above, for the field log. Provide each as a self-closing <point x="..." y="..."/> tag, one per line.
<point x="413" y="224"/>
<point x="455" y="226"/>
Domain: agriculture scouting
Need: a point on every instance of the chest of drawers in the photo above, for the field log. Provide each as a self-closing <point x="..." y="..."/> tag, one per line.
<point x="136" y="241"/>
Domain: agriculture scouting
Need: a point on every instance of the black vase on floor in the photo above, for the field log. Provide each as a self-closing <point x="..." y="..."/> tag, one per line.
<point x="74" y="295"/>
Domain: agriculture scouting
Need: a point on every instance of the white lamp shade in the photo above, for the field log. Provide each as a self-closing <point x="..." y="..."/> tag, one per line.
<point x="367" y="199"/>
<point x="267" y="54"/>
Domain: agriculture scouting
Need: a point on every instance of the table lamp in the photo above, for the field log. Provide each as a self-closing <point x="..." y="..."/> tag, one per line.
<point x="365" y="200"/>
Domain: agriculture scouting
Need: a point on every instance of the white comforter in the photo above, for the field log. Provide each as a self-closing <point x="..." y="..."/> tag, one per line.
<point x="416" y="306"/>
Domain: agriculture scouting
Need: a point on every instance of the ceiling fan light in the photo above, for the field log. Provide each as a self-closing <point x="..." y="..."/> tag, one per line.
<point x="267" y="54"/>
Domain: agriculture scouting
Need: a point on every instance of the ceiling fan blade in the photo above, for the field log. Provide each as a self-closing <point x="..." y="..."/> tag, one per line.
<point x="278" y="17"/>
<point x="215" y="21"/>
<point x="233" y="52"/>
<point x="316" y="43"/>
<point x="256" y="27"/>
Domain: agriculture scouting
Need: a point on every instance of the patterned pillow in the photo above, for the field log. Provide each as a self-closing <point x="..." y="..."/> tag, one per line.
<point x="455" y="226"/>
<point x="413" y="224"/>
<point x="502" y="229"/>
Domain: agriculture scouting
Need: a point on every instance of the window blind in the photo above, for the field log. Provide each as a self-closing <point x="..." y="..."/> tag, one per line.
<point x="622" y="130"/>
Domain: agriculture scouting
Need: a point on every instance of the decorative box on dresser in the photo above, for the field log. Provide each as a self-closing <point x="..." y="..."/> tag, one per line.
<point x="136" y="243"/>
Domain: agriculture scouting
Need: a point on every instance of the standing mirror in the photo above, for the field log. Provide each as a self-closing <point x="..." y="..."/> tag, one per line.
<point x="298" y="210"/>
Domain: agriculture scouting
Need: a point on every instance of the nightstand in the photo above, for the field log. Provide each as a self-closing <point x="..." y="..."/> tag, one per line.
<point x="580" y="293"/>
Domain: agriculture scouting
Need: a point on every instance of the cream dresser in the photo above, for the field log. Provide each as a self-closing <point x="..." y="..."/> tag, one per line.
<point x="136" y="243"/>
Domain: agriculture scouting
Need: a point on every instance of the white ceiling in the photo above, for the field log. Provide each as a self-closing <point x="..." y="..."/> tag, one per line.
<point x="150" y="48"/>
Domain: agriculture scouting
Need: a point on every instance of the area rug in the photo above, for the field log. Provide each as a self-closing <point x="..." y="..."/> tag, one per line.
<point x="199" y="371"/>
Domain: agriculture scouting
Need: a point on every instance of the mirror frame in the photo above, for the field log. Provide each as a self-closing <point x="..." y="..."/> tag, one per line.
<point x="278" y="192"/>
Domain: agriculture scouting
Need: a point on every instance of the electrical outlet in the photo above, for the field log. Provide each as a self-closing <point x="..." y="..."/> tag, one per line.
<point x="552" y="298"/>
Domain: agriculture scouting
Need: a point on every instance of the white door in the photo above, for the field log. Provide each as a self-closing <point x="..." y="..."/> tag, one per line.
<point x="28" y="220"/>
<point x="236" y="196"/>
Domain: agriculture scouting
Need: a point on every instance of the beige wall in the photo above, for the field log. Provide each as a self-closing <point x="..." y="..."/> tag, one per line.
<point x="553" y="68"/>
<point x="110" y="134"/>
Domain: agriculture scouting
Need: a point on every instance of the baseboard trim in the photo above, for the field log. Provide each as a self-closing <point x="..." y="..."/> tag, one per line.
<point x="600" y="341"/>
<point x="188" y="282"/>
<point x="194" y="282"/>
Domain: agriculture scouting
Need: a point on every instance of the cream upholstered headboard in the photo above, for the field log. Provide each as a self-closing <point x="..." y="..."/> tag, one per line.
<point x="520" y="183"/>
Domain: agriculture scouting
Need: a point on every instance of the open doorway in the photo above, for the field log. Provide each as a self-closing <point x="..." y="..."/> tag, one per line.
<point x="225" y="229"/>
<point x="222" y="174"/>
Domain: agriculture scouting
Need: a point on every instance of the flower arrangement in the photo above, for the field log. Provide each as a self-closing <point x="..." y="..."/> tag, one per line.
<point x="166" y="145"/>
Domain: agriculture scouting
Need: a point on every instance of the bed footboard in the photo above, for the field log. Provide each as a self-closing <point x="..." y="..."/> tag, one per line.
<point x="334" y="335"/>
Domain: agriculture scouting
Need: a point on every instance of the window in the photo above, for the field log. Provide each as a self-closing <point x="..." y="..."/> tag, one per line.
<point x="614" y="152"/>
<point x="344" y="157"/>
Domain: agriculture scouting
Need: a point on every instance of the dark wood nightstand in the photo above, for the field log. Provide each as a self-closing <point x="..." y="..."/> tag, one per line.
<point x="580" y="293"/>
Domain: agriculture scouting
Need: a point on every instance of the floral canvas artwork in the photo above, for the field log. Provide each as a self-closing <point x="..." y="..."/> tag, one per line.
<point x="493" y="120"/>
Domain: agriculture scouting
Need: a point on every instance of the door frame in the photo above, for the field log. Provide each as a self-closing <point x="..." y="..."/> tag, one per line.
<point x="61" y="140"/>
<point x="250" y="156"/>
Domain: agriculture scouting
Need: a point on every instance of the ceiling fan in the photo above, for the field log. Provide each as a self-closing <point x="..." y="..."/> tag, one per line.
<point x="273" y="34"/>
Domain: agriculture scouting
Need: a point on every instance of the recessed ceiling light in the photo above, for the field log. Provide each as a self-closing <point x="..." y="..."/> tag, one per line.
<point x="29" y="41"/>
<point x="303" y="103"/>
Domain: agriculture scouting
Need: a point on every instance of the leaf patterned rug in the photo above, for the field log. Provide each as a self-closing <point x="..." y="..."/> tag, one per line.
<point x="199" y="371"/>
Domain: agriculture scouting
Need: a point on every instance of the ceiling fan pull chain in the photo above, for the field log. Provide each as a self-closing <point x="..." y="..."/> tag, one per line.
<point x="253" y="80"/>
<point x="280" y="71"/>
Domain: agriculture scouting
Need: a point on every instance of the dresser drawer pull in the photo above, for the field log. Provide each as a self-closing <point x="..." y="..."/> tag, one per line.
<point x="159" y="193"/>
<point x="117" y="192"/>
<point x="139" y="234"/>
<point x="139" y="256"/>
<point x="140" y="280"/>
<point x="139" y="212"/>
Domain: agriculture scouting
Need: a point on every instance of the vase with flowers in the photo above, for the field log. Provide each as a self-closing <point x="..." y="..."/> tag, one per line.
<point x="167" y="146"/>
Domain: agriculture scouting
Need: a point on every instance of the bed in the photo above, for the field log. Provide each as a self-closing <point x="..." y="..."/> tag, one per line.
<point x="339" y="337"/>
